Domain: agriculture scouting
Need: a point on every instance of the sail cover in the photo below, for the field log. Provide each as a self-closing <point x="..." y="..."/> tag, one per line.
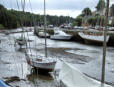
<point x="72" y="77"/>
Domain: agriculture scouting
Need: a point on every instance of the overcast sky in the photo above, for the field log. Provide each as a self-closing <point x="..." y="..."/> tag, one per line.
<point x="55" y="7"/>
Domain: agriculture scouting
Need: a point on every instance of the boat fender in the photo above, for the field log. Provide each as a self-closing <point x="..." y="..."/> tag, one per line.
<point x="28" y="61"/>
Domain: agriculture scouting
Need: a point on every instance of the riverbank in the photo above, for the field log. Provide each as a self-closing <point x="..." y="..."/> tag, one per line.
<point x="76" y="37"/>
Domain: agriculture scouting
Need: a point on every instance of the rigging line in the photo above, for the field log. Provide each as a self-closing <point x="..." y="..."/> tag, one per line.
<point x="30" y="6"/>
<point x="32" y="12"/>
<point x="13" y="55"/>
<point x="9" y="37"/>
<point x="4" y="3"/>
<point x="12" y="47"/>
<point x="23" y="9"/>
<point x="33" y="22"/>
<point x="20" y="19"/>
<point x="28" y="46"/>
<point x="23" y="21"/>
<point x="11" y="4"/>
<point x="23" y="6"/>
<point x="17" y="4"/>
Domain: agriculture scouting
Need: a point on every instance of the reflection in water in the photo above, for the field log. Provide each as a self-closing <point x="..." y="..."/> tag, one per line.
<point x="40" y="80"/>
<point x="21" y="50"/>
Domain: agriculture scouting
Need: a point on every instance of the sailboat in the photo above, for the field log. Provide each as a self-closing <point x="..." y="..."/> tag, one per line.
<point x="21" y="40"/>
<point x="42" y="63"/>
<point x="93" y="36"/>
<point x="70" y="76"/>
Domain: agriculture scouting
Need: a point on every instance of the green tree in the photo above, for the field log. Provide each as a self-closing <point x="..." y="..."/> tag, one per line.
<point x="96" y="20"/>
<point x="112" y="10"/>
<point x="101" y="5"/>
<point x="13" y="18"/>
<point x="86" y="11"/>
<point x="77" y="21"/>
<point x="1" y="26"/>
<point x="3" y="15"/>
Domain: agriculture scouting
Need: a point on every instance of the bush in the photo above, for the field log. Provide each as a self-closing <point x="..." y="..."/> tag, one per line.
<point x="1" y="26"/>
<point x="112" y="24"/>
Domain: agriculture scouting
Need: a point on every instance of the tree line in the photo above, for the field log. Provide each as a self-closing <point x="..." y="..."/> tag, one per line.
<point x="12" y="19"/>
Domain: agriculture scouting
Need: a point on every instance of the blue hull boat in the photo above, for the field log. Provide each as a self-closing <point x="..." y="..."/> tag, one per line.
<point x="3" y="84"/>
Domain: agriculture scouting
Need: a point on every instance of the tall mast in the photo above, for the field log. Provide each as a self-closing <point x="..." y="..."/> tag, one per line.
<point x="45" y="28"/>
<point x="22" y="21"/>
<point x="104" y="44"/>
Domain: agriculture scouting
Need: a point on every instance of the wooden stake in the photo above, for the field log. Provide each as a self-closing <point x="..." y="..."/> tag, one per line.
<point x="104" y="45"/>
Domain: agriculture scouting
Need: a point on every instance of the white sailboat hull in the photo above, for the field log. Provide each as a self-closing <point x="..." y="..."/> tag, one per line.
<point x="49" y="65"/>
<point x="42" y="34"/>
<point x="45" y="64"/>
<point x="57" y="37"/>
<point x="93" y="38"/>
<point x="60" y="35"/>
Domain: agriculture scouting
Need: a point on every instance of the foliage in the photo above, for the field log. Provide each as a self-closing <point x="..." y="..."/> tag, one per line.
<point x="101" y="5"/>
<point x="1" y="26"/>
<point x="93" y="20"/>
<point x="86" y="11"/>
<point x="96" y="20"/>
<point x="112" y="10"/>
<point x="112" y="24"/>
<point x="77" y="21"/>
<point x="12" y="18"/>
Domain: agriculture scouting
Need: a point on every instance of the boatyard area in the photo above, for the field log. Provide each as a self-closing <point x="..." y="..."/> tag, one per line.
<point x="52" y="43"/>
<point x="76" y="37"/>
<point x="16" y="72"/>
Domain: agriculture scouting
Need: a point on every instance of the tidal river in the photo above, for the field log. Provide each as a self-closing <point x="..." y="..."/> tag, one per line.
<point x="15" y="71"/>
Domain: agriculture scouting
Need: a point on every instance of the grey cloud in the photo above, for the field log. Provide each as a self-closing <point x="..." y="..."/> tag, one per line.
<point x="56" y="4"/>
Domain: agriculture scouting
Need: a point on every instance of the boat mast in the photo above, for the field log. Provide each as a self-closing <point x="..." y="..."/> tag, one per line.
<point x="22" y="22"/>
<point x="104" y="44"/>
<point x="45" y="28"/>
